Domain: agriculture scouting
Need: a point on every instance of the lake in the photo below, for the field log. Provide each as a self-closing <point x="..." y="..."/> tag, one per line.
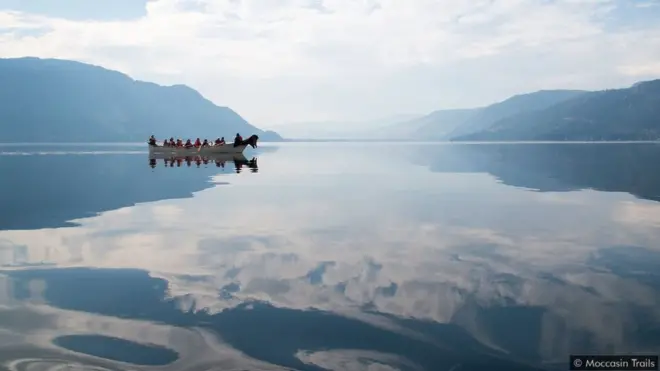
<point x="329" y="256"/>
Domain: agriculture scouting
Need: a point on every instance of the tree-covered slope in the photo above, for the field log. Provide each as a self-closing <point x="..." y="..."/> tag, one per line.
<point x="48" y="100"/>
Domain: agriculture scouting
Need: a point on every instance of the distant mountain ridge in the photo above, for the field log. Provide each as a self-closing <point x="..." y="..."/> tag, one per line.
<point x="440" y="124"/>
<point x="518" y="104"/>
<point x="384" y="127"/>
<point x="547" y="115"/>
<point x="620" y="114"/>
<point x="52" y="100"/>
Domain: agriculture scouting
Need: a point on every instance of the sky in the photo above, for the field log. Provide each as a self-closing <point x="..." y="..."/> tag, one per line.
<point x="283" y="61"/>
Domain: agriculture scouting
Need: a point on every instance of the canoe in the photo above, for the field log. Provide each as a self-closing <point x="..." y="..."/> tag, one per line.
<point x="154" y="148"/>
<point x="203" y="151"/>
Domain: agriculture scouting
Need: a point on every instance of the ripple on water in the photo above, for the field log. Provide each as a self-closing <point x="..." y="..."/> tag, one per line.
<point x="50" y="364"/>
<point x="118" y="349"/>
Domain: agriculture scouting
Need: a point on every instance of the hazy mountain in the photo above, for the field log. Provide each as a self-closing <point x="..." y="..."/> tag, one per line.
<point x="515" y="105"/>
<point x="621" y="114"/>
<point x="50" y="100"/>
<point x="446" y="124"/>
<point x="383" y="128"/>
<point x="438" y="125"/>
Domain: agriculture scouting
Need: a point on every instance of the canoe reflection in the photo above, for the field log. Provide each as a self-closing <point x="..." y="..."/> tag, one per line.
<point x="219" y="160"/>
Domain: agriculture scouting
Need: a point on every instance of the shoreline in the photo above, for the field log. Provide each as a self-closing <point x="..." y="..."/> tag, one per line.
<point x="118" y="143"/>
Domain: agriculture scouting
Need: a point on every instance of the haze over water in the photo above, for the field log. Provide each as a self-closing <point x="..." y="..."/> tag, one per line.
<point x="329" y="256"/>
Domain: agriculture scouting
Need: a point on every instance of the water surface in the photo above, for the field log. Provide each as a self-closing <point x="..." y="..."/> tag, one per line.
<point x="329" y="257"/>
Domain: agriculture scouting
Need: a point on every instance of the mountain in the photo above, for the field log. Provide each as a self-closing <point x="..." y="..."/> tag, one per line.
<point x="380" y="128"/>
<point x="621" y="114"/>
<point x="446" y="124"/>
<point x="438" y="125"/>
<point x="513" y="106"/>
<point x="51" y="100"/>
<point x="314" y="129"/>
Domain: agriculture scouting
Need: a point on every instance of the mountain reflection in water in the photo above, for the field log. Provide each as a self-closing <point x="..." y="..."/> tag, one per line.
<point x="342" y="257"/>
<point x="49" y="190"/>
<point x="609" y="167"/>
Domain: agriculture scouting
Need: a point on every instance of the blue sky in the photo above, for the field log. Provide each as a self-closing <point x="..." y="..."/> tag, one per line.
<point x="80" y="9"/>
<point x="279" y="61"/>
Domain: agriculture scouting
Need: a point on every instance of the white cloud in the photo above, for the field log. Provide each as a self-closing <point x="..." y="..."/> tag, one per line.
<point x="339" y="59"/>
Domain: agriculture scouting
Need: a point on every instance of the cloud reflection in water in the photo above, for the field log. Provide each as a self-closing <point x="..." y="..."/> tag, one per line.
<point x="510" y="273"/>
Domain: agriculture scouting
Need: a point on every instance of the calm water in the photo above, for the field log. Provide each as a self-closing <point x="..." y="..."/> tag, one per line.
<point x="329" y="257"/>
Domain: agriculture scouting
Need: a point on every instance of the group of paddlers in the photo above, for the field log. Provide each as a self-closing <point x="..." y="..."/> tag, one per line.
<point x="198" y="143"/>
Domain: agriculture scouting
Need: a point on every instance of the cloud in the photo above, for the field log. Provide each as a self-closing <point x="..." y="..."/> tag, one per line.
<point x="647" y="4"/>
<point x="338" y="59"/>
